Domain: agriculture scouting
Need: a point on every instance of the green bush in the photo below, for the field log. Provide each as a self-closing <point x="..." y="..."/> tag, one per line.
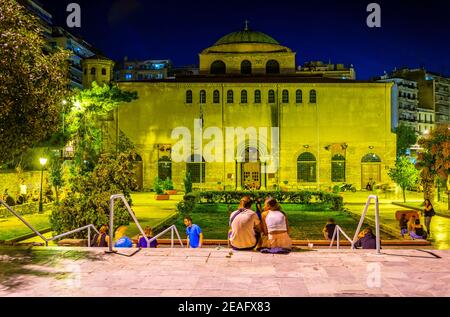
<point x="88" y="201"/>
<point x="168" y="184"/>
<point x="298" y="197"/>
<point x="158" y="186"/>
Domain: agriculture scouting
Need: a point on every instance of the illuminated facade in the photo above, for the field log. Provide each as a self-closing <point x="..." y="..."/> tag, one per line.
<point x="330" y="131"/>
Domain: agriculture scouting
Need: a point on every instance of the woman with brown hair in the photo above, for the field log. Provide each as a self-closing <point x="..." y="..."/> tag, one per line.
<point x="275" y="226"/>
<point x="101" y="240"/>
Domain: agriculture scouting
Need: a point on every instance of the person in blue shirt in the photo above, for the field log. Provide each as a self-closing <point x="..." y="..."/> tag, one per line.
<point x="194" y="234"/>
<point x="122" y="241"/>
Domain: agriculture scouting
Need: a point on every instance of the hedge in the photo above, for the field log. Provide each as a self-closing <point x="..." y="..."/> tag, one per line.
<point x="298" y="197"/>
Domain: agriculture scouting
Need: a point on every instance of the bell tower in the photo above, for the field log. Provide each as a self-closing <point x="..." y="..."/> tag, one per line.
<point x="97" y="68"/>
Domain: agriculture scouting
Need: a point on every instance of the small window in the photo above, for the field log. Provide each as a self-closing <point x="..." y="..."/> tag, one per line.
<point x="202" y="96"/>
<point x="271" y="96"/>
<point x="216" y="96"/>
<point x="299" y="96"/>
<point x="218" y="68"/>
<point x="230" y="96"/>
<point x="285" y="96"/>
<point x="257" y="96"/>
<point x="246" y="67"/>
<point x="244" y="96"/>
<point x="104" y="71"/>
<point x="272" y="67"/>
<point x="93" y="71"/>
<point x="313" y="96"/>
<point x="189" y="96"/>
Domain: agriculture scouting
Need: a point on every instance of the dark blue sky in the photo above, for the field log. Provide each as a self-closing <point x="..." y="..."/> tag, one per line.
<point x="413" y="33"/>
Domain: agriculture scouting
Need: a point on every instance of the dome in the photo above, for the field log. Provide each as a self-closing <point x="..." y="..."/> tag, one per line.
<point x="246" y="36"/>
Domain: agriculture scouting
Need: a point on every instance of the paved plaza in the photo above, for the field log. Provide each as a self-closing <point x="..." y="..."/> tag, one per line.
<point x="219" y="272"/>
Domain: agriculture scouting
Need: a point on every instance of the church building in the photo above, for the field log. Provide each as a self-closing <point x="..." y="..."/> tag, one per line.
<point x="326" y="131"/>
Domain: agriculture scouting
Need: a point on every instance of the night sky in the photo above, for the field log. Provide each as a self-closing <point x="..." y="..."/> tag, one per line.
<point x="413" y="33"/>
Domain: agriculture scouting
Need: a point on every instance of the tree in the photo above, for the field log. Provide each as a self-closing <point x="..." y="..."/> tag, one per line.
<point x="87" y="202"/>
<point x="82" y="122"/>
<point x="404" y="174"/>
<point x="434" y="159"/>
<point x="406" y="137"/>
<point x="33" y="83"/>
<point x="56" y="173"/>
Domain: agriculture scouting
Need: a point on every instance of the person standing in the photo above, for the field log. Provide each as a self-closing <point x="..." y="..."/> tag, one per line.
<point x="428" y="213"/>
<point x="194" y="234"/>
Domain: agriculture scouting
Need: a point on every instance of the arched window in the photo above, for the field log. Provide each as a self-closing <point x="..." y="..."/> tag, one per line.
<point x="285" y="96"/>
<point x="272" y="67"/>
<point x="298" y="96"/>
<point x="93" y="71"/>
<point x="371" y="158"/>
<point x="271" y="96"/>
<point x="189" y="96"/>
<point x="244" y="96"/>
<point x="196" y="167"/>
<point x="218" y="68"/>
<point x="312" y="96"/>
<point x="165" y="168"/>
<point x="104" y="71"/>
<point x="216" y="96"/>
<point x="306" y="168"/>
<point x="230" y="96"/>
<point x="257" y="96"/>
<point x="246" y="67"/>
<point x="202" y="96"/>
<point x="338" y="168"/>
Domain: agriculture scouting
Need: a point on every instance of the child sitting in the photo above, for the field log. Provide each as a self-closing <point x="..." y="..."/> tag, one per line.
<point x="149" y="234"/>
<point x="418" y="232"/>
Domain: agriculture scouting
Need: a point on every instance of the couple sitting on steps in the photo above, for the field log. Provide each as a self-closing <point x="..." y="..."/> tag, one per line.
<point x="268" y="232"/>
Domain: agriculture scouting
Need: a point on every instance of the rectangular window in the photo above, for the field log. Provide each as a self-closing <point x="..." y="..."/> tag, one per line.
<point x="338" y="172"/>
<point x="197" y="169"/>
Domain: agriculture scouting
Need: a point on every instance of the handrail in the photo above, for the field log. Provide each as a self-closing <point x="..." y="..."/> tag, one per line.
<point x="172" y="229"/>
<point x="24" y="221"/>
<point x="338" y="229"/>
<point x="112" y="199"/>
<point x="377" y="222"/>
<point x="88" y="227"/>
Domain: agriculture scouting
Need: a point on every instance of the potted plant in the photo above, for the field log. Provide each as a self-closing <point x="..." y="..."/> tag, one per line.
<point x="168" y="187"/>
<point x="159" y="190"/>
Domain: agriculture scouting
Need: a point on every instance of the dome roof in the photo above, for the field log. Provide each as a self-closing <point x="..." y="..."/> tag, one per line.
<point x="246" y="36"/>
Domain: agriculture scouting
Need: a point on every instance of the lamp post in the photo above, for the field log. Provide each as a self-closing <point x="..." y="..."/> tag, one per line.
<point x="43" y="162"/>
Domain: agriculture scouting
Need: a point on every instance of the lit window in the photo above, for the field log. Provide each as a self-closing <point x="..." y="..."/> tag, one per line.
<point x="202" y="96"/>
<point x="128" y="76"/>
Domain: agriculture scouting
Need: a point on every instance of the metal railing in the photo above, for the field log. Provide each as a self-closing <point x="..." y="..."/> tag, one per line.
<point x="88" y="227"/>
<point x="377" y="222"/>
<point x="336" y="237"/>
<point x="24" y="222"/>
<point x="338" y="229"/>
<point x="112" y="200"/>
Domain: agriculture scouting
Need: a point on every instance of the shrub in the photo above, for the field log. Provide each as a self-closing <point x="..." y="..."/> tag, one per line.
<point x="158" y="186"/>
<point x="88" y="201"/>
<point x="167" y="184"/>
<point x="299" y="197"/>
<point x="188" y="183"/>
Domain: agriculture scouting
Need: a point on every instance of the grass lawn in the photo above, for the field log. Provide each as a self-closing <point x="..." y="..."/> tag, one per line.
<point x="12" y="227"/>
<point x="213" y="219"/>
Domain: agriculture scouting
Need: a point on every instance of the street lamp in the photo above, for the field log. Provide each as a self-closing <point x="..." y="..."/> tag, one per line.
<point x="43" y="162"/>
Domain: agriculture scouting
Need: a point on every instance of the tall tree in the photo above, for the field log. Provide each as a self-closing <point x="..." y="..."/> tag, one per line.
<point x="32" y="83"/>
<point x="404" y="174"/>
<point x="434" y="160"/>
<point x="406" y="137"/>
